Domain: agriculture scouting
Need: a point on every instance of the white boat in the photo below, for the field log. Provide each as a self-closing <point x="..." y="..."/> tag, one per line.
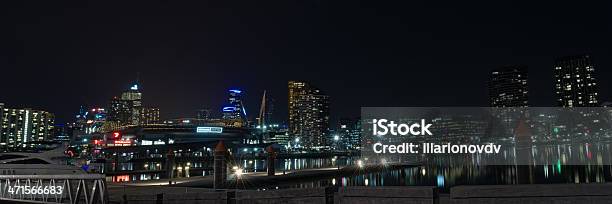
<point x="49" y="162"/>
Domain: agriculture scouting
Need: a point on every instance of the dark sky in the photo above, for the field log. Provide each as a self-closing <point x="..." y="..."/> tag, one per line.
<point x="57" y="55"/>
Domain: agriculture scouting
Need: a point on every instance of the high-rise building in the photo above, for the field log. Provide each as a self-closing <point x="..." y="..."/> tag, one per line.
<point x="134" y="100"/>
<point x="127" y="109"/>
<point x="150" y="116"/>
<point x="308" y="115"/>
<point x="20" y="126"/>
<point x="119" y="111"/>
<point x="575" y="83"/>
<point x="348" y="131"/>
<point x="508" y="87"/>
<point x="234" y="113"/>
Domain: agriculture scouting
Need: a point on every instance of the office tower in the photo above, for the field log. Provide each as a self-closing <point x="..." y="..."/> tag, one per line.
<point x="119" y="111"/>
<point x="234" y="113"/>
<point x="134" y="101"/>
<point x="150" y="116"/>
<point x="308" y="114"/>
<point x="127" y="109"/>
<point x="21" y="126"/>
<point x="349" y="132"/>
<point x="508" y="87"/>
<point x="575" y="83"/>
<point x="203" y="114"/>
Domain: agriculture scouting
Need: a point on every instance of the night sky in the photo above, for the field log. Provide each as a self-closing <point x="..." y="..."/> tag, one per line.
<point x="57" y="55"/>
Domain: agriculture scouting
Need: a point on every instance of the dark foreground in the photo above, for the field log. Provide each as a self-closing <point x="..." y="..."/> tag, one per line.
<point x="523" y="194"/>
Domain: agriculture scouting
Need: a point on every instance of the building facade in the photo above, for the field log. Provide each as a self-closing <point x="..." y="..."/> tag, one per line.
<point x="349" y="133"/>
<point x="150" y="115"/>
<point x="308" y="115"/>
<point x="234" y="113"/>
<point x="575" y="83"/>
<point x="508" y="87"/>
<point x="20" y="126"/>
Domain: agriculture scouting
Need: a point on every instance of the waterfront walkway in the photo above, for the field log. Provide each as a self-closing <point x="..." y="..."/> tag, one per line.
<point x="257" y="177"/>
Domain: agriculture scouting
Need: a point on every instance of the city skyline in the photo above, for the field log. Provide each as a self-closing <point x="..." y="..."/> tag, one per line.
<point x="188" y="59"/>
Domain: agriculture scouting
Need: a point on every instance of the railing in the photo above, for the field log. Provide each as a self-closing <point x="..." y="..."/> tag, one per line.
<point x="69" y="188"/>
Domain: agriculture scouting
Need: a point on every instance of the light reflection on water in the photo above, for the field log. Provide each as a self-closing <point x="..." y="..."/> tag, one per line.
<point x="443" y="177"/>
<point x="259" y="165"/>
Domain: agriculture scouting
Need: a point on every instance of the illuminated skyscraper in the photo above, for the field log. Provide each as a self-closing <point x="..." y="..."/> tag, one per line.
<point x="575" y="83"/>
<point x="234" y="113"/>
<point x="20" y="126"/>
<point x="308" y="114"/>
<point x="127" y="109"/>
<point x="134" y="99"/>
<point x="508" y="87"/>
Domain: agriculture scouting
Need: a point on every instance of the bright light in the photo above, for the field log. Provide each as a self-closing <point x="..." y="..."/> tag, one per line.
<point x="135" y="87"/>
<point x="84" y="140"/>
<point x="235" y="91"/>
<point x="297" y="139"/>
<point x="235" y="168"/>
<point x="423" y="172"/>
<point x="336" y="137"/>
<point x="360" y="163"/>
<point x="238" y="172"/>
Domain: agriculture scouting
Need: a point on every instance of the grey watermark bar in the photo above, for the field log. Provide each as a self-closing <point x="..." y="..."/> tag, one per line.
<point x="487" y="136"/>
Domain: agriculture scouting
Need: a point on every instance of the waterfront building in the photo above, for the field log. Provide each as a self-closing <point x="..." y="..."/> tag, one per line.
<point x="21" y="126"/>
<point x="159" y="151"/>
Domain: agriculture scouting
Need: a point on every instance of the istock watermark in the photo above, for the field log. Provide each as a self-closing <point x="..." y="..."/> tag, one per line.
<point x="487" y="136"/>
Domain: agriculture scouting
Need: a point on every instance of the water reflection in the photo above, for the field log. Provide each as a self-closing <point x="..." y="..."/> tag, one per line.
<point x="443" y="177"/>
<point x="259" y="165"/>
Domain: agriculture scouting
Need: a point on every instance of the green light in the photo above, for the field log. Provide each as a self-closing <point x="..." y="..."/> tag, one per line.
<point x="559" y="165"/>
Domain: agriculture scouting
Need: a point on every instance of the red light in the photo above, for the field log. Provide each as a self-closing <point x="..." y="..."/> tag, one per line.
<point x="116" y="134"/>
